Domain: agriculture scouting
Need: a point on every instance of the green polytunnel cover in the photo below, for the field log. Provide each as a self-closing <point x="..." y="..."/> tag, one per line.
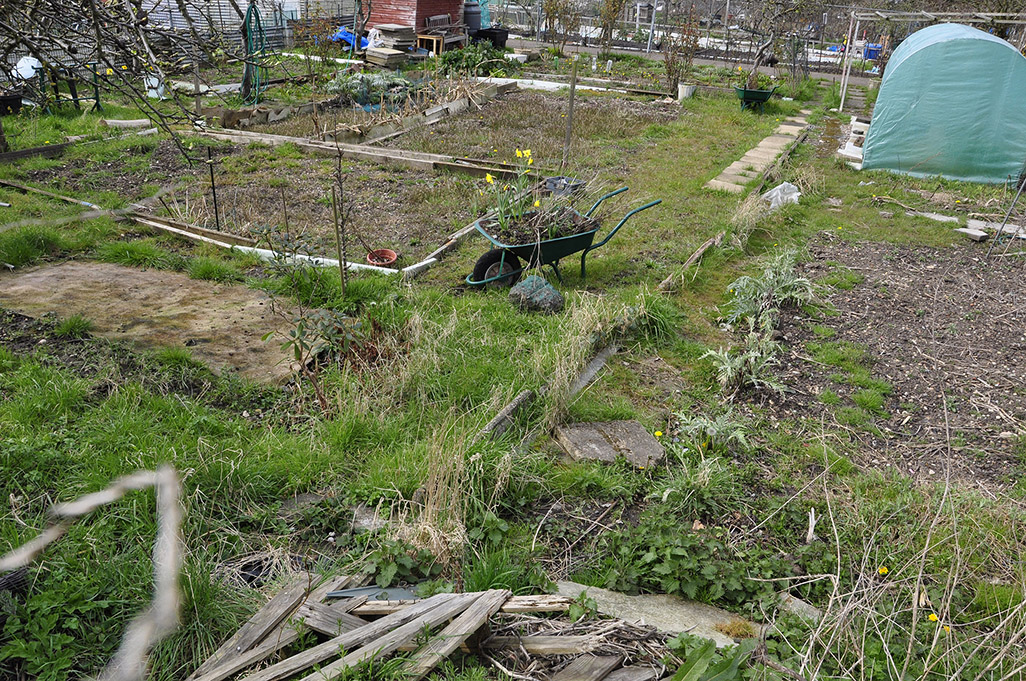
<point x="952" y="102"/>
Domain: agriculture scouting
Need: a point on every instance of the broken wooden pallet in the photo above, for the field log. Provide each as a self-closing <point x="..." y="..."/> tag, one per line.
<point x="427" y="630"/>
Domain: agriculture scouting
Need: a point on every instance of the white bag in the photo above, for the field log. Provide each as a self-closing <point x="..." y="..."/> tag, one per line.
<point x="782" y="195"/>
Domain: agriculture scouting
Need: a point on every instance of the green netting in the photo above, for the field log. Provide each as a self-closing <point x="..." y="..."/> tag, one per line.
<point x="952" y="102"/>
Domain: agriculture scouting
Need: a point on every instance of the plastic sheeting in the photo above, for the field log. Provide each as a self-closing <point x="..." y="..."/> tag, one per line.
<point x="952" y="102"/>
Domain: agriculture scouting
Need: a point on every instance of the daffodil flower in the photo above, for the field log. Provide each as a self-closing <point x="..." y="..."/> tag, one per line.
<point x="489" y="179"/>
<point x="520" y="154"/>
<point x="530" y="161"/>
<point x="527" y="153"/>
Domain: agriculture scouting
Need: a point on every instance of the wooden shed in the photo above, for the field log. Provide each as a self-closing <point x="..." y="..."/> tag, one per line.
<point x="414" y="12"/>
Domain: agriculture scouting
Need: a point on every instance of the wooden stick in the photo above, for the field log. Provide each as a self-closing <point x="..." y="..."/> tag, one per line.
<point x="668" y="284"/>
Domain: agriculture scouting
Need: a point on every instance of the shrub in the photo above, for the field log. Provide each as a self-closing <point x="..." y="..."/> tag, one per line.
<point x="479" y="59"/>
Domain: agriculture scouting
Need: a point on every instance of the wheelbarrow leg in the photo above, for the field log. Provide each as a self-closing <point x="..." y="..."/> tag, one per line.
<point x="583" y="256"/>
<point x="555" y="268"/>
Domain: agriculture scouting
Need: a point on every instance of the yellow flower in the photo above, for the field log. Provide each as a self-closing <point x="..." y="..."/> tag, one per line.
<point x="883" y="570"/>
<point x="520" y="154"/>
<point x="527" y="153"/>
<point x="124" y="68"/>
<point x="489" y="179"/>
<point x="933" y="617"/>
<point x="110" y="72"/>
<point x="537" y="203"/>
<point x="530" y="161"/>
<point x="659" y="433"/>
<point x="947" y="629"/>
<point x="505" y="188"/>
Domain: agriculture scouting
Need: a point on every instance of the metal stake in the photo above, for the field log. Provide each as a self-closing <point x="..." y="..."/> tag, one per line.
<point x="213" y="188"/>
<point x="570" y="114"/>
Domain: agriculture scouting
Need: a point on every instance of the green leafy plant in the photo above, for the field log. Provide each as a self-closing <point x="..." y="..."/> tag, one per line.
<point x="749" y="365"/>
<point x="477" y="59"/>
<point x="395" y="561"/>
<point x="582" y="607"/>
<point x="778" y="286"/>
<point x="713" y="434"/>
<point x="511" y="199"/>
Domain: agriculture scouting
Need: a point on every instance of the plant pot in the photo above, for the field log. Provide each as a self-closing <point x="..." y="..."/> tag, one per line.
<point x="686" y="90"/>
<point x="564" y="186"/>
<point x="382" y="257"/>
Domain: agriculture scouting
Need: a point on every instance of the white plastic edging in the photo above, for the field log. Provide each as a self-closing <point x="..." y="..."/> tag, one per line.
<point x="266" y="254"/>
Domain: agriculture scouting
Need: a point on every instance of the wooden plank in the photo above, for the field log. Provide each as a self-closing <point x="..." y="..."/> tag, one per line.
<point x="49" y="151"/>
<point x="259" y="625"/>
<point x="276" y="640"/>
<point x="544" y="645"/>
<point x="331" y="620"/>
<point x="588" y="668"/>
<point x="540" y="603"/>
<point x="458" y="631"/>
<point x="390" y="642"/>
<point x="348" y="640"/>
<point x="634" y="674"/>
<point x="224" y="237"/>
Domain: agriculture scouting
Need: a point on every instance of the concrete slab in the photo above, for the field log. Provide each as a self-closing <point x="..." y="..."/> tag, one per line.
<point x="610" y="440"/>
<point x="667" y="613"/>
<point x="223" y="326"/>
<point x="937" y="217"/>
<point x="724" y="186"/>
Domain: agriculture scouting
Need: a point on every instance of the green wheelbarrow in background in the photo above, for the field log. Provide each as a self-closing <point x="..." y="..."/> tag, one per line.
<point x="501" y="265"/>
<point x="751" y="99"/>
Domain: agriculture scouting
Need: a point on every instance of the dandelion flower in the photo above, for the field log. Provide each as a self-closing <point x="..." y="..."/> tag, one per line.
<point x="933" y="617"/>
<point x="947" y="629"/>
<point x="489" y="178"/>
<point x="537" y="203"/>
<point x="883" y="570"/>
<point x="659" y="433"/>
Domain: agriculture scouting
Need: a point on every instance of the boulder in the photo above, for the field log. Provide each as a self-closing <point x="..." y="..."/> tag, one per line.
<point x="534" y="293"/>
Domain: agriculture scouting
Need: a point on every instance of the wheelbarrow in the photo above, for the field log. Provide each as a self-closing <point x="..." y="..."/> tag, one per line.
<point x="502" y="266"/>
<point x="752" y="99"/>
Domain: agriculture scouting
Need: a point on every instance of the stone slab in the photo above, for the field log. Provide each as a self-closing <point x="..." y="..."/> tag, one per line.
<point x="222" y="326"/>
<point x="724" y="186"/>
<point x="667" y="613"/>
<point x="609" y="440"/>
<point x="937" y="217"/>
<point x="974" y="234"/>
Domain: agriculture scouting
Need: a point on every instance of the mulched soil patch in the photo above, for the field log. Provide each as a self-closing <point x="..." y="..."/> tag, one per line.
<point x="945" y="327"/>
<point x="543" y="226"/>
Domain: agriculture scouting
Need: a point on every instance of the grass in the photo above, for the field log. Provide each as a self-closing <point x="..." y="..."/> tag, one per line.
<point x="438" y="361"/>
<point x="75" y="326"/>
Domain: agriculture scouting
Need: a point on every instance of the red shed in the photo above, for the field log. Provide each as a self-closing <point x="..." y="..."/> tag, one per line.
<point x="413" y="12"/>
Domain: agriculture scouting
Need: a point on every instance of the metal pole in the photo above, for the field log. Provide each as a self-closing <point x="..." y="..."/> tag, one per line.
<point x="213" y="188"/>
<point x="651" y="28"/>
<point x="570" y="114"/>
<point x="1001" y="231"/>
<point x="845" y="62"/>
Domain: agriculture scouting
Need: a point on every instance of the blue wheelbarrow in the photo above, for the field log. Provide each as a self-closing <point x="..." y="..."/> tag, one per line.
<point x="502" y="266"/>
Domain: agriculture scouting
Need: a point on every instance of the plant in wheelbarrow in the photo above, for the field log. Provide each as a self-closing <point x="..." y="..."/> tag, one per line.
<point x="530" y="230"/>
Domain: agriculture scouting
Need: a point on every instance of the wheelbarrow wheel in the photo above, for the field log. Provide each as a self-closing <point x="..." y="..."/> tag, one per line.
<point x="500" y="265"/>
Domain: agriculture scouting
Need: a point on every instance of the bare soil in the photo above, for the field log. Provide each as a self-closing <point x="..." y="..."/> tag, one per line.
<point x="947" y="329"/>
<point x="223" y="326"/>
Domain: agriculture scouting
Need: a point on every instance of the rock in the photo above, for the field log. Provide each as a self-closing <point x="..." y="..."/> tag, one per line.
<point x="367" y="519"/>
<point x="664" y="612"/>
<point x="607" y="440"/>
<point x="534" y="293"/>
<point x="280" y="114"/>
<point x="799" y="607"/>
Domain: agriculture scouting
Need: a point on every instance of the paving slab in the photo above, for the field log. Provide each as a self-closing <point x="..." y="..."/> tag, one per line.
<point x="724" y="186"/>
<point x="223" y="326"/>
<point x="609" y="440"/>
<point x="664" y="612"/>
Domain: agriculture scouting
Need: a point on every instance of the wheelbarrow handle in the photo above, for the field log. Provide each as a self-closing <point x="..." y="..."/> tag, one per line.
<point x="607" y="196"/>
<point x="625" y="219"/>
